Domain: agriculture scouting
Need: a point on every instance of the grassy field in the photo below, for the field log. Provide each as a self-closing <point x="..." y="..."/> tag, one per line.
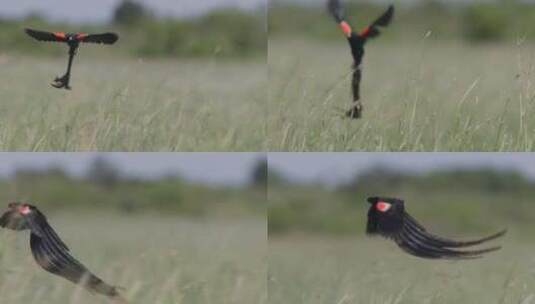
<point x="318" y="270"/>
<point x="422" y="95"/>
<point x="129" y="105"/>
<point x="156" y="259"/>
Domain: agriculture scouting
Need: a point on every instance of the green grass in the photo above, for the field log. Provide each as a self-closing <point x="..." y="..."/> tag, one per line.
<point x="422" y="95"/>
<point x="318" y="270"/>
<point x="156" y="259"/>
<point x="129" y="105"/>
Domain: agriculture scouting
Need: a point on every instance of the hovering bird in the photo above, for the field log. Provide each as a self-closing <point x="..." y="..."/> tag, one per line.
<point x="51" y="253"/>
<point x="387" y="217"/>
<point x="73" y="41"/>
<point x="357" y="42"/>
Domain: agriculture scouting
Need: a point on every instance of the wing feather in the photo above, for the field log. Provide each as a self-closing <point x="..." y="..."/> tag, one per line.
<point x="104" y="38"/>
<point x="335" y="9"/>
<point x="46" y="36"/>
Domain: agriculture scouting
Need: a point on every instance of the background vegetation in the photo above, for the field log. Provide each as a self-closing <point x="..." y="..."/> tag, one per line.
<point x="472" y="21"/>
<point x="443" y="77"/>
<point x="318" y="251"/>
<point x="105" y="188"/>
<point x="165" y="240"/>
<point x="222" y="33"/>
<point x="453" y="200"/>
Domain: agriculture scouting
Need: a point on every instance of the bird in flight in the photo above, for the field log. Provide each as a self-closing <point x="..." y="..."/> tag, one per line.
<point x="387" y="217"/>
<point x="73" y="40"/>
<point x="51" y="253"/>
<point x="357" y="42"/>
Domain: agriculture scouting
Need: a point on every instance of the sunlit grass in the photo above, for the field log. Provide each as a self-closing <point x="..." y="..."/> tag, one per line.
<point x="129" y="105"/>
<point x="360" y="270"/>
<point x="156" y="259"/>
<point x="422" y="95"/>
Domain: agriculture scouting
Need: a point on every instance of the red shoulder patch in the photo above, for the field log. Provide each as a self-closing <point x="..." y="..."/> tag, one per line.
<point x="346" y="28"/>
<point x="80" y="36"/>
<point x="60" y="35"/>
<point x="365" y="31"/>
<point x="383" y="207"/>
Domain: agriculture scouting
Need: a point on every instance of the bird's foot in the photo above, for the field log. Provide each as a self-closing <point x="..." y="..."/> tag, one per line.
<point x="61" y="82"/>
<point x="355" y="112"/>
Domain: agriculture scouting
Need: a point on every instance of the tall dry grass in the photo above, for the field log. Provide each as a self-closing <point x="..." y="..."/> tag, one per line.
<point x="156" y="259"/>
<point x="425" y="95"/>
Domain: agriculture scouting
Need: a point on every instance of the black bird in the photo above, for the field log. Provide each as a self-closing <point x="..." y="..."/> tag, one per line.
<point x="73" y="41"/>
<point x="387" y="217"/>
<point x="357" y="42"/>
<point x="51" y="253"/>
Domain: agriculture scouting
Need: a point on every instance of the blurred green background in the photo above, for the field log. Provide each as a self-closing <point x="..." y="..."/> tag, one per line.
<point x="319" y="253"/>
<point x="471" y="21"/>
<point x="169" y="228"/>
<point x="184" y="76"/>
<point x="444" y="76"/>
<point x="104" y="187"/>
<point x="447" y="200"/>
<point x="225" y="32"/>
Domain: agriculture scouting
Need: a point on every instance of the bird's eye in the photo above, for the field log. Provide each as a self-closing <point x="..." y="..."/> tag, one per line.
<point x="383" y="207"/>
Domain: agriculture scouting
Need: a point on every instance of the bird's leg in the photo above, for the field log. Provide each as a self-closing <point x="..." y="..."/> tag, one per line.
<point x="63" y="81"/>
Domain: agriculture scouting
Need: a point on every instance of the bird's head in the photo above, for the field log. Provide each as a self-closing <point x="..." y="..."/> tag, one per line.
<point x="14" y="217"/>
<point x="21" y="208"/>
<point x="386" y="205"/>
<point x="384" y="213"/>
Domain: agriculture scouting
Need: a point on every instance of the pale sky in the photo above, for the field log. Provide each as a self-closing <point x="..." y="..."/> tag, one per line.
<point x="211" y="168"/>
<point x="235" y="168"/>
<point x="101" y="10"/>
<point x="396" y="2"/>
<point x="334" y="168"/>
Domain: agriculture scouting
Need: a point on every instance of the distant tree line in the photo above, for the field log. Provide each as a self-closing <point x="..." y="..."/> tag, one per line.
<point x="220" y="33"/>
<point x="473" y="21"/>
<point x="105" y="188"/>
<point x="453" y="199"/>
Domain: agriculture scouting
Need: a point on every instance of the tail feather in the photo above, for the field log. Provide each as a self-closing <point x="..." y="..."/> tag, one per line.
<point x="96" y="285"/>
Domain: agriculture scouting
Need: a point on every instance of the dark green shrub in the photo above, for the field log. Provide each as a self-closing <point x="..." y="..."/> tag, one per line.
<point x="130" y="12"/>
<point x="486" y="22"/>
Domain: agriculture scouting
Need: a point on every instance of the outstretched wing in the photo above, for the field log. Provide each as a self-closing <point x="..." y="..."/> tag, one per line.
<point x="335" y="9"/>
<point x="14" y="221"/>
<point x="46" y="36"/>
<point x="105" y="38"/>
<point x="385" y="18"/>
<point x="372" y="30"/>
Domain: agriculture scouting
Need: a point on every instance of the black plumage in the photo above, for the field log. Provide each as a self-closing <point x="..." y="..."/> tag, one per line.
<point x="387" y="217"/>
<point x="50" y="252"/>
<point x="357" y="42"/>
<point x="73" y="40"/>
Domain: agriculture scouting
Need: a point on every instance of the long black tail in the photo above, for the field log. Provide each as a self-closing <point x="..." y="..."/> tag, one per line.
<point x="51" y="253"/>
